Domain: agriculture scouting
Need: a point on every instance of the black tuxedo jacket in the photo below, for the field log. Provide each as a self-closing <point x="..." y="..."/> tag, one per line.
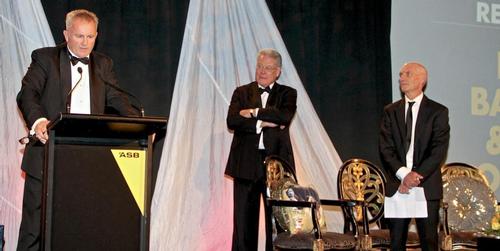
<point x="432" y="134"/>
<point x="244" y="156"/>
<point x="45" y="88"/>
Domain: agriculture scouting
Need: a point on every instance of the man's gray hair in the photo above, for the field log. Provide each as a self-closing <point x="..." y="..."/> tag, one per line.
<point x="271" y="53"/>
<point x="83" y="14"/>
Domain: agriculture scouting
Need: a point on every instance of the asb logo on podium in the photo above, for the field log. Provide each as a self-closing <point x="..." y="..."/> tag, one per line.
<point x="128" y="154"/>
<point x="132" y="164"/>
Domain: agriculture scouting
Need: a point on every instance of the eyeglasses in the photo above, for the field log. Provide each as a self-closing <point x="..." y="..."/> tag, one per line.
<point x="267" y="68"/>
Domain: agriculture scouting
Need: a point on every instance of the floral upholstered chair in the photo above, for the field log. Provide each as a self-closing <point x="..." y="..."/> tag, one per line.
<point x="296" y="213"/>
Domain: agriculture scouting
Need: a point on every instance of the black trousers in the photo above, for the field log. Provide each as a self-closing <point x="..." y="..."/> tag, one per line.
<point x="29" y="231"/>
<point x="427" y="229"/>
<point x="246" y="200"/>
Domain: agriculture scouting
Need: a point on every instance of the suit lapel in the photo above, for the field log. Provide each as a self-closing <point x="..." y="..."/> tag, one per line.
<point x="255" y="99"/>
<point x="422" y="117"/>
<point x="400" y="120"/>
<point x="64" y="74"/>
<point x="273" y="96"/>
<point x="93" y="79"/>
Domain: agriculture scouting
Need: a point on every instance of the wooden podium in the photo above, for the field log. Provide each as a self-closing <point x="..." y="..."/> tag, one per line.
<point x="96" y="189"/>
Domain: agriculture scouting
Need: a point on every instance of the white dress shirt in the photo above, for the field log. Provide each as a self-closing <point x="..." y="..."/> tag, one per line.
<point x="80" y="97"/>
<point x="405" y="170"/>
<point x="263" y="98"/>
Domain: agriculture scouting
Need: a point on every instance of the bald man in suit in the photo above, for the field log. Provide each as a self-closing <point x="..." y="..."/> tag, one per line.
<point x="45" y="93"/>
<point x="413" y="144"/>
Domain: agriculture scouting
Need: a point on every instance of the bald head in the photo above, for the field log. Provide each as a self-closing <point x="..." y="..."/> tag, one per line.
<point x="418" y="68"/>
<point x="412" y="79"/>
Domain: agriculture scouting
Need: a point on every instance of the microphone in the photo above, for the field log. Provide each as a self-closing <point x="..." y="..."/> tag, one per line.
<point x="68" y="103"/>
<point x="140" y="108"/>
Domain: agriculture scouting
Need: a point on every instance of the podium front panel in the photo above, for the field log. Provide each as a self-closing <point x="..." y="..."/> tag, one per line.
<point x="97" y="190"/>
<point x="95" y="200"/>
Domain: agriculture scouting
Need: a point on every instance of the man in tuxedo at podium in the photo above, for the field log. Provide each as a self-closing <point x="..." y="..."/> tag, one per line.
<point x="414" y="138"/>
<point x="67" y="78"/>
<point x="260" y="114"/>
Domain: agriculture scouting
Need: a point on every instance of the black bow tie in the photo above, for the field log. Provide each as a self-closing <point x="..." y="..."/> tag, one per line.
<point x="262" y="90"/>
<point x="74" y="60"/>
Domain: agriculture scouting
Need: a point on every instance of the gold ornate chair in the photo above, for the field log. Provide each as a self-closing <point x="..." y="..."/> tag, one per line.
<point x="297" y="215"/>
<point x="468" y="206"/>
<point x="361" y="180"/>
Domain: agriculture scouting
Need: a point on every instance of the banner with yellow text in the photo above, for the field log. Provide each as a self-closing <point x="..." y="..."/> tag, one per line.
<point x="459" y="43"/>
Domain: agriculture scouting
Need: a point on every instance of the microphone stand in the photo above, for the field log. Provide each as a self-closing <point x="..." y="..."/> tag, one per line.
<point x="68" y="101"/>
<point x="140" y="109"/>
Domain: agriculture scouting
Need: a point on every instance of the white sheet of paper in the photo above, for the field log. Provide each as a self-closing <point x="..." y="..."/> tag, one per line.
<point x="412" y="205"/>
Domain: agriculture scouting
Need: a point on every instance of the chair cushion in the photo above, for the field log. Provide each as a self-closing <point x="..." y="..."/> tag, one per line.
<point x="464" y="238"/>
<point x="459" y="240"/>
<point x="382" y="238"/>
<point x="303" y="241"/>
<point x="296" y="220"/>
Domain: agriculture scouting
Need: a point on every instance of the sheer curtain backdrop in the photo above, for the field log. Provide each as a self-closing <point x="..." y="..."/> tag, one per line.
<point x="192" y="203"/>
<point x="23" y="28"/>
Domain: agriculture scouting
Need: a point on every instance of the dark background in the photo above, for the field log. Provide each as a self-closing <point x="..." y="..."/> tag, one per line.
<point x="341" y="50"/>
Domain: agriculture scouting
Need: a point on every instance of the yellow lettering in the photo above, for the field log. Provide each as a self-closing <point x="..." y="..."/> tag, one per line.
<point x="479" y="102"/>
<point x="495" y="105"/>
<point x="498" y="64"/>
<point x="494" y="174"/>
<point x="493" y="143"/>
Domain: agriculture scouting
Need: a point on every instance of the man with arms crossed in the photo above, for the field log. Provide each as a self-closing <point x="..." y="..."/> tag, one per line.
<point x="260" y="114"/>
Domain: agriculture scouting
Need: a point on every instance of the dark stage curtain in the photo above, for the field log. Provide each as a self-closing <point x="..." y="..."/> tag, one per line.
<point x="340" y="48"/>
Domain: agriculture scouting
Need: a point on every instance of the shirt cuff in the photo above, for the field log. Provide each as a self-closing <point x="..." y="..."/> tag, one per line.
<point x="402" y="172"/>
<point x="256" y="112"/>
<point x="32" y="131"/>
<point x="258" y="126"/>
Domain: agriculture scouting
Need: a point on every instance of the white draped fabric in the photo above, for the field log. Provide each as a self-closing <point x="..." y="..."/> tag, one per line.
<point x="23" y="28"/>
<point x="192" y="203"/>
